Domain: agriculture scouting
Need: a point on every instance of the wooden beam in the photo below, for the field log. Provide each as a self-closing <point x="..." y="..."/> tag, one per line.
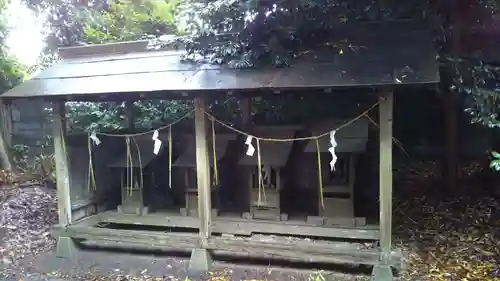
<point x="385" y="170"/>
<point x="103" y="49"/>
<point x="62" y="168"/>
<point x="303" y="250"/>
<point x="202" y="170"/>
<point x="240" y="226"/>
<point x="298" y="250"/>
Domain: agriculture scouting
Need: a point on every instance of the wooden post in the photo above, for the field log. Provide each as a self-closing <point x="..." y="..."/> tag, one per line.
<point x="6" y="115"/>
<point x="246" y="110"/>
<point x="383" y="270"/>
<point x="6" y="136"/>
<point x="61" y="159"/>
<point x="202" y="169"/>
<point x="201" y="260"/>
<point x="451" y="103"/>
<point x="385" y="170"/>
<point x="129" y="114"/>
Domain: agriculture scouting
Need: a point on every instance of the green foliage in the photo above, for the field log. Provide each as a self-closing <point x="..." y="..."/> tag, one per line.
<point x="125" y="21"/>
<point x="109" y="116"/>
<point x="11" y="71"/>
<point x="129" y="20"/>
<point x="156" y="113"/>
<point x="274" y="33"/>
<point x="478" y="82"/>
<point x="256" y="33"/>
<point x="90" y="116"/>
<point x="495" y="162"/>
<point x="35" y="166"/>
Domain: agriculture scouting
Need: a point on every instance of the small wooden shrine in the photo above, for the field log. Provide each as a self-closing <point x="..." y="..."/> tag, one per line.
<point x="264" y="199"/>
<point x="132" y="167"/>
<point x="187" y="163"/>
<point x="336" y="193"/>
<point x="131" y="71"/>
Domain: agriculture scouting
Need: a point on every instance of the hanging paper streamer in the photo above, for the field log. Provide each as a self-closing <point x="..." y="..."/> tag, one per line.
<point x="259" y="170"/>
<point x="94" y="138"/>
<point x="91" y="184"/>
<point x="214" y="156"/>
<point x="130" y="168"/>
<point x="157" y="144"/>
<point x="320" y="174"/>
<point x="333" y="144"/>
<point x="170" y="157"/>
<point x="91" y="175"/>
<point x="251" y="149"/>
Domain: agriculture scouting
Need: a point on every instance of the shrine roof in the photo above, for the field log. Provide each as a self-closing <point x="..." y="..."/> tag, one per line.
<point x="372" y="55"/>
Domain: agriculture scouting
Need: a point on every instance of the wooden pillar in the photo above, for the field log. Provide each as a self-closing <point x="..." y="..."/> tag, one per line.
<point x="129" y="114"/>
<point x="6" y="136"/>
<point x="383" y="271"/>
<point x="201" y="259"/>
<point x="62" y="167"/>
<point x="385" y="170"/>
<point x="246" y="110"/>
<point x="202" y="169"/>
<point x="451" y="103"/>
<point x="6" y="115"/>
<point x="65" y="245"/>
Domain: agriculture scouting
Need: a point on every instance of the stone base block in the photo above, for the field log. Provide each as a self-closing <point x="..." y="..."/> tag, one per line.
<point x="66" y="247"/>
<point x="200" y="261"/>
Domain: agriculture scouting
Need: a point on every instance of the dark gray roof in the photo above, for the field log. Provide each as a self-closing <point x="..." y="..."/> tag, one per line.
<point x="373" y="55"/>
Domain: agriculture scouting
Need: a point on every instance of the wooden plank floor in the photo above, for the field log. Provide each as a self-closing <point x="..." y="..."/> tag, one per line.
<point x="267" y="246"/>
<point x="240" y="226"/>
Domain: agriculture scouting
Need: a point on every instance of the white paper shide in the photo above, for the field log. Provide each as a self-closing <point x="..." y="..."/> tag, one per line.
<point x="94" y="138"/>
<point x="251" y="149"/>
<point x="333" y="145"/>
<point x="157" y="142"/>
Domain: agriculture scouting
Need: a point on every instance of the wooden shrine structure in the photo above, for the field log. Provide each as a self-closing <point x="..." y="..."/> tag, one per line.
<point x="265" y="200"/>
<point x="393" y="56"/>
<point x="187" y="162"/>
<point x="141" y="156"/>
<point x="337" y="203"/>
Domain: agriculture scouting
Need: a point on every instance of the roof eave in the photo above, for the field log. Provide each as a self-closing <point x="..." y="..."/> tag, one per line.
<point x="104" y="49"/>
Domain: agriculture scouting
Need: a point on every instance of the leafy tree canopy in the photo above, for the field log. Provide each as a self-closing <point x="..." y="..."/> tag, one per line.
<point x="12" y="72"/>
<point x="262" y="32"/>
<point x="251" y="33"/>
<point x="129" y="20"/>
<point x="102" y="21"/>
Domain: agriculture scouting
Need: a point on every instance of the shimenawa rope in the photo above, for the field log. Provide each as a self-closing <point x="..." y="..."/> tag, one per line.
<point x="315" y="138"/>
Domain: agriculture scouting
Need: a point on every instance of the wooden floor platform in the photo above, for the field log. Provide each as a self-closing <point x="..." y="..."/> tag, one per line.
<point x="255" y="245"/>
<point x="240" y="226"/>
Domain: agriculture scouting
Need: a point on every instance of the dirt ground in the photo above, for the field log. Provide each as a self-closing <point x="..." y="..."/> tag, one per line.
<point x="450" y="238"/>
<point x="97" y="266"/>
<point x="26" y="252"/>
